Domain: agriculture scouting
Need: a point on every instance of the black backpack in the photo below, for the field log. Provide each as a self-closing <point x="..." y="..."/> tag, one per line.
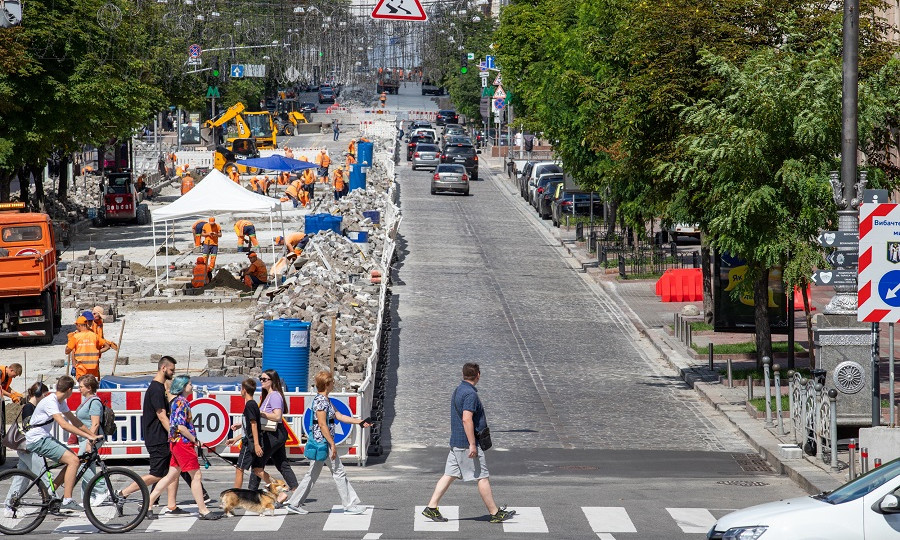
<point x="107" y="419"/>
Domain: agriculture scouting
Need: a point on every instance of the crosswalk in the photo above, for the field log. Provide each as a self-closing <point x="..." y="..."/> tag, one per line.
<point x="606" y="522"/>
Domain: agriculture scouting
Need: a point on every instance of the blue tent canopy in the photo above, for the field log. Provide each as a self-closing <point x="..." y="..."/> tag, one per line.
<point x="277" y="162"/>
<point x="212" y="384"/>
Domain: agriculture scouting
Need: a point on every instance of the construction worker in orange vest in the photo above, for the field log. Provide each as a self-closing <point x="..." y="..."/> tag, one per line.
<point x="284" y="178"/>
<point x="288" y="153"/>
<point x="383" y="99"/>
<point x="187" y="183"/>
<point x="254" y="185"/>
<point x="7" y="374"/>
<point x="197" y="229"/>
<point x="256" y="274"/>
<point x="235" y="177"/>
<point x="350" y="160"/>
<point x="264" y="184"/>
<point x="97" y="325"/>
<point x="295" y="242"/>
<point x="340" y="186"/>
<point x="309" y="182"/>
<point x="323" y="161"/>
<point x="351" y="147"/>
<point x="200" y="277"/>
<point x="211" y="234"/>
<point x="87" y="348"/>
<point x="246" y="233"/>
<point x="296" y="194"/>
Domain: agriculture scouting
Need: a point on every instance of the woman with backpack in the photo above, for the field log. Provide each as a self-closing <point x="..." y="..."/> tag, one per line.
<point x="90" y="412"/>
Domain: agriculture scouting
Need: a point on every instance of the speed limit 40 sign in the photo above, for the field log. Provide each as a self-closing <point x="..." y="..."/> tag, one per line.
<point x="211" y="421"/>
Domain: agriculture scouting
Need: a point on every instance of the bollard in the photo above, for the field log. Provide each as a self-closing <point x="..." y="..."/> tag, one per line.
<point x="621" y="266"/>
<point x="777" y="372"/>
<point x="711" y="365"/>
<point x="690" y="336"/>
<point x="674" y="248"/>
<point x="852" y="448"/>
<point x="749" y="387"/>
<point x="730" y="379"/>
<point x="832" y="398"/>
<point x="877" y="462"/>
<point x="695" y="259"/>
<point x="816" y="427"/>
<point x="768" y="392"/>
<point x="677" y="326"/>
<point x="791" y="404"/>
<point x="863" y="460"/>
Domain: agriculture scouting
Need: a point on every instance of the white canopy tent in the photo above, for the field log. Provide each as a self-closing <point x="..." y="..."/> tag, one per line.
<point x="215" y="194"/>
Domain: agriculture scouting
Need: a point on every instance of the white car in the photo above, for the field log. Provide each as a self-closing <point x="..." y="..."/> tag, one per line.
<point x="867" y="508"/>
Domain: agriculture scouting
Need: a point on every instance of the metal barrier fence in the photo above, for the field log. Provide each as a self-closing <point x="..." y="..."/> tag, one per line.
<point x="640" y="258"/>
<point x="813" y="417"/>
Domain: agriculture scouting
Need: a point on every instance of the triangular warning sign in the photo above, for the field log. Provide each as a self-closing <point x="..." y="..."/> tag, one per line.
<point x="499" y="93"/>
<point x="292" y="439"/>
<point x="399" y="10"/>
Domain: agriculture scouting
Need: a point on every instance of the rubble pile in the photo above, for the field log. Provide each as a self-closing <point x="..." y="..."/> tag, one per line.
<point x="83" y="193"/>
<point x="105" y="280"/>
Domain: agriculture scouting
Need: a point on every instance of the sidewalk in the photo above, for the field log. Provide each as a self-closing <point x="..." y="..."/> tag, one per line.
<point x="654" y="319"/>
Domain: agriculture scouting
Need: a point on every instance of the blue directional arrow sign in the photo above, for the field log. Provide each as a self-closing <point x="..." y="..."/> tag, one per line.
<point x="489" y="61"/>
<point x="889" y="288"/>
<point x="341" y="430"/>
<point x="237" y="71"/>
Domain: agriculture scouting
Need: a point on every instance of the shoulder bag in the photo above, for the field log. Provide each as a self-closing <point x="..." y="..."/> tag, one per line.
<point x="316" y="451"/>
<point x="14" y="438"/>
<point x="482" y="437"/>
<point x="265" y="424"/>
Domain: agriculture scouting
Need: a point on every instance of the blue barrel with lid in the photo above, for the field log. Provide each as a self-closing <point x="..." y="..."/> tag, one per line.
<point x="364" y="151"/>
<point x="330" y="222"/>
<point x="286" y="350"/>
<point x="312" y="224"/>
<point x="373" y="215"/>
<point x="357" y="178"/>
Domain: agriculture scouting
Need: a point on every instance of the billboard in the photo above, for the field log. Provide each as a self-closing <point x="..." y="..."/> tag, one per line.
<point x="735" y="314"/>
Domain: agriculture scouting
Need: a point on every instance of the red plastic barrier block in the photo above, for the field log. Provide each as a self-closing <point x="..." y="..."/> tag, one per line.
<point x="680" y="285"/>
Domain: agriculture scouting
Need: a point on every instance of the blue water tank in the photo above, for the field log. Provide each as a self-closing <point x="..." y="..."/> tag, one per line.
<point x="364" y="151"/>
<point x="328" y="221"/>
<point x="286" y="350"/>
<point x="312" y="224"/>
<point x="360" y="237"/>
<point x="357" y="178"/>
<point x="373" y="215"/>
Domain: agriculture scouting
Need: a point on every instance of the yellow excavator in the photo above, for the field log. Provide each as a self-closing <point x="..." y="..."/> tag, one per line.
<point x="288" y="117"/>
<point x="256" y="125"/>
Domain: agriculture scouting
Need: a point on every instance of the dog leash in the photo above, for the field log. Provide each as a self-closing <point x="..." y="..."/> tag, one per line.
<point x="206" y="462"/>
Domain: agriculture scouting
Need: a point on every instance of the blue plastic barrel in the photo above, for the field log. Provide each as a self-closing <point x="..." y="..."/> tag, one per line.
<point x="312" y="224"/>
<point x="357" y="178"/>
<point x="328" y="221"/>
<point x="360" y="237"/>
<point x="364" y="151"/>
<point x="373" y="215"/>
<point x="286" y="350"/>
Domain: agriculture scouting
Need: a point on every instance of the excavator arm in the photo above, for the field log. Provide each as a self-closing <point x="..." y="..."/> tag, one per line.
<point x="233" y="113"/>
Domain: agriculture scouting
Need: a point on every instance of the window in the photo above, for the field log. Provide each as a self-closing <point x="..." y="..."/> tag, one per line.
<point x="28" y="233"/>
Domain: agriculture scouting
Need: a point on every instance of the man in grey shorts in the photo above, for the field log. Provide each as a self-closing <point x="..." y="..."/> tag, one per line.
<point x="466" y="458"/>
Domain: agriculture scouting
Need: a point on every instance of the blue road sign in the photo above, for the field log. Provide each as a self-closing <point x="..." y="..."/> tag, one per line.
<point x="482" y="66"/>
<point x="889" y="288"/>
<point x="489" y="61"/>
<point x="237" y="71"/>
<point x="341" y="430"/>
<point x="499" y="103"/>
<point x="194" y="50"/>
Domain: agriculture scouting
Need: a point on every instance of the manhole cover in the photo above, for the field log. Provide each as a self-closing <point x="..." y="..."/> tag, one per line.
<point x="741" y="483"/>
<point x="751" y="463"/>
<point x="578" y="468"/>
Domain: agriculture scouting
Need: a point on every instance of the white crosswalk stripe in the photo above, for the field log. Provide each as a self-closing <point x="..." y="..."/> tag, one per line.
<point x="423" y="524"/>
<point x="692" y="520"/>
<point x="168" y="523"/>
<point x="608" y="519"/>
<point x="75" y="525"/>
<point x="254" y="522"/>
<point x="528" y="519"/>
<point x="339" y="521"/>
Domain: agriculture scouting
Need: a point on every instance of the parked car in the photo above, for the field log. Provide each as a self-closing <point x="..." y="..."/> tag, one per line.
<point x="522" y="179"/>
<point x="574" y="202"/>
<point x="447" y="116"/>
<point x="684" y="229"/>
<point x="546" y="192"/>
<point x="450" y="177"/>
<point x="541" y="185"/>
<point x="426" y="156"/>
<point x="465" y="155"/>
<point x="540" y="169"/>
<point x="413" y="141"/>
<point x="308" y="107"/>
<point x="866" y="508"/>
<point x="326" y="95"/>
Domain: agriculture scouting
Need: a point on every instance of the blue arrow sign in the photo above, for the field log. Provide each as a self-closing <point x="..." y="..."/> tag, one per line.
<point x="489" y="61"/>
<point x="889" y="287"/>
<point x="237" y="71"/>
<point x="341" y="430"/>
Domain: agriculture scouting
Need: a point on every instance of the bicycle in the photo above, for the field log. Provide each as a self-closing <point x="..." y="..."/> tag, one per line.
<point x="26" y="499"/>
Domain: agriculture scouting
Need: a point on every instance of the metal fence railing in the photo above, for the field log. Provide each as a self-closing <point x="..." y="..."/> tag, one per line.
<point x="639" y="258"/>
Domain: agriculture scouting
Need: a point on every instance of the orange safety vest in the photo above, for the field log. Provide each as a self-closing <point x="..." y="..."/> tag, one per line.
<point x="187" y="184"/>
<point x="235" y="177"/>
<point x="292" y="191"/>
<point x="5" y="381"/>
<point x="351" y="147"/>
<point x="201" y="276"/>
<point x="324" y="160"/>
<point x="338" y="180"/>
<point x="97" y="328"/>
<point x="308" y="177"/>
<point x="239" y="226"/>
<point x="87" y="353"/>
<point x="211" y="228"/>
<point x="304" y="197"/>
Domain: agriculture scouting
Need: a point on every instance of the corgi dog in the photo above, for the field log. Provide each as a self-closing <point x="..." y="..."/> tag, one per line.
<point x="256" y="501"/>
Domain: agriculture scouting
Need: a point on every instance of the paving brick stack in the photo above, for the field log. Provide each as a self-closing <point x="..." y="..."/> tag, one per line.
<point x="105" y="280"/>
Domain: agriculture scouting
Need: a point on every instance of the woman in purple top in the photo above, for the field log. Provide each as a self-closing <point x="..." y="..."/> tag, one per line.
<point x="274" y="434"/>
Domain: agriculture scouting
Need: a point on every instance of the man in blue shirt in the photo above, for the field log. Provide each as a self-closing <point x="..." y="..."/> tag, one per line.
<point x="466" y="458"/>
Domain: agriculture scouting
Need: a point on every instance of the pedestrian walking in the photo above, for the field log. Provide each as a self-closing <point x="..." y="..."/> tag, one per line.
<point x="336" y="128"/>
<point x="272" y="408"/>
<point x="466" y="458"/>
<point x="183" y="445"/>
<point x="321" y="450"/>
<point x="250" y="433"/>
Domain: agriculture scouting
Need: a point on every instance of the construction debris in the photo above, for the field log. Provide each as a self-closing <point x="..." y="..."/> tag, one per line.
<point x="105" y="280"/>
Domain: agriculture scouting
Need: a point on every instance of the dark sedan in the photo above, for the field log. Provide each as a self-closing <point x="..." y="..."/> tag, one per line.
<point x="413" y="141"/>
<point x="307" y="107"/>
<point x="447" y="116"/>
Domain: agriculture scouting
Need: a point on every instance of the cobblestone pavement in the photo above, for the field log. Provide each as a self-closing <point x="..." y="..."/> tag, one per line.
<point x="561" y="366"/>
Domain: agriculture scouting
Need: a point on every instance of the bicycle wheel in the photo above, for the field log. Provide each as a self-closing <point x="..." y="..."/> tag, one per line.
<point x="25" y="502"/>
<point x="110" y="513"/>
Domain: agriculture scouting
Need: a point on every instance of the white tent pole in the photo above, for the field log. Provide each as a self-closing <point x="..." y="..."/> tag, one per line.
<point x="166" y="245"/>
<point x="272" y="234"/>
<point x="155" y="265"/>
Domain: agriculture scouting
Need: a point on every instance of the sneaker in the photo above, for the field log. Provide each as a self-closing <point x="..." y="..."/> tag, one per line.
<point x="210" y="516"/>
<point x="206" y="498"/>
<point x="355" y="510"/>
<point x="434" y="514"/>
<point x="178" y="511"/>
<point x="100" y="500"/>
<point x="119" y="495"/>
<point x="71" y="506"/>
<point x="300" y="511"/>
<point x="502" y="515"/>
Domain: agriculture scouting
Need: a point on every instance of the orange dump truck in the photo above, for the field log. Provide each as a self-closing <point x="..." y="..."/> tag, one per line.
<point x="30" y="305"/>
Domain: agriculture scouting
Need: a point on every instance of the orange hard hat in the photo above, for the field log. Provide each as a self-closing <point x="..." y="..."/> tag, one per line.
<point x="251" y="254"/>
<point x="201" y="259"/>
<point x="81" y="320"/>
<point x="212" y="220"/>
<point x="279" y="240"/>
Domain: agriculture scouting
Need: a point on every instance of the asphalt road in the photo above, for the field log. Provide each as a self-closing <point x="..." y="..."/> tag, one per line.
<point x="594" y="438"/>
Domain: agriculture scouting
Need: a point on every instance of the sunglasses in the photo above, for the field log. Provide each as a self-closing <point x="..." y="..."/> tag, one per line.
<point x="264" y="379"/>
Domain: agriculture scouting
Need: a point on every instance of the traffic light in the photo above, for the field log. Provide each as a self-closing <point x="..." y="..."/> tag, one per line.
<point x="464" y="63"/>
<point x="215" y="68"/>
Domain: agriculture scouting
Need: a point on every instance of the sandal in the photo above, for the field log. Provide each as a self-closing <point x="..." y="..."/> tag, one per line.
<point x="210" y="516"/>
<point x="177" y="511"/>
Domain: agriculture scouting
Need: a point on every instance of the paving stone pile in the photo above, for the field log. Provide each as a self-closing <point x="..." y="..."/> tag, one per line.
<point x="105" y="280"/>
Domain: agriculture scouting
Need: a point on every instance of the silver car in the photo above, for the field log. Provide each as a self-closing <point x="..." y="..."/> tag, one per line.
<point x="450" y="177"/>
<point x="427" y="156"/>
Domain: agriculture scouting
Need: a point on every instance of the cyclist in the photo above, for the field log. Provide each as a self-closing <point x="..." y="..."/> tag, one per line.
<point x="39" y="440"/>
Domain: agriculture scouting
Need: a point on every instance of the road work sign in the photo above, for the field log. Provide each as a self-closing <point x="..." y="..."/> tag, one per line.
<point x="399" y="10"/>
<point x="878" y="285"/>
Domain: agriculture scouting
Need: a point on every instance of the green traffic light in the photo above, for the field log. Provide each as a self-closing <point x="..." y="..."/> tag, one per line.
<point x="215" y="73"/>
<point x="463" y="70"/>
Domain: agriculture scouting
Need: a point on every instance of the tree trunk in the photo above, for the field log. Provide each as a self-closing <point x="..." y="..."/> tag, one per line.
<point x="37" y="171"/>
<point x="63" y="185"/>
<point x="5" y="179"/>
<point x="707" y="275"/>
<point x="761" y="316"/>
<point x="809" y="325"/>
<point x="611" y="219"/>
<point x="24" y="181"/>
